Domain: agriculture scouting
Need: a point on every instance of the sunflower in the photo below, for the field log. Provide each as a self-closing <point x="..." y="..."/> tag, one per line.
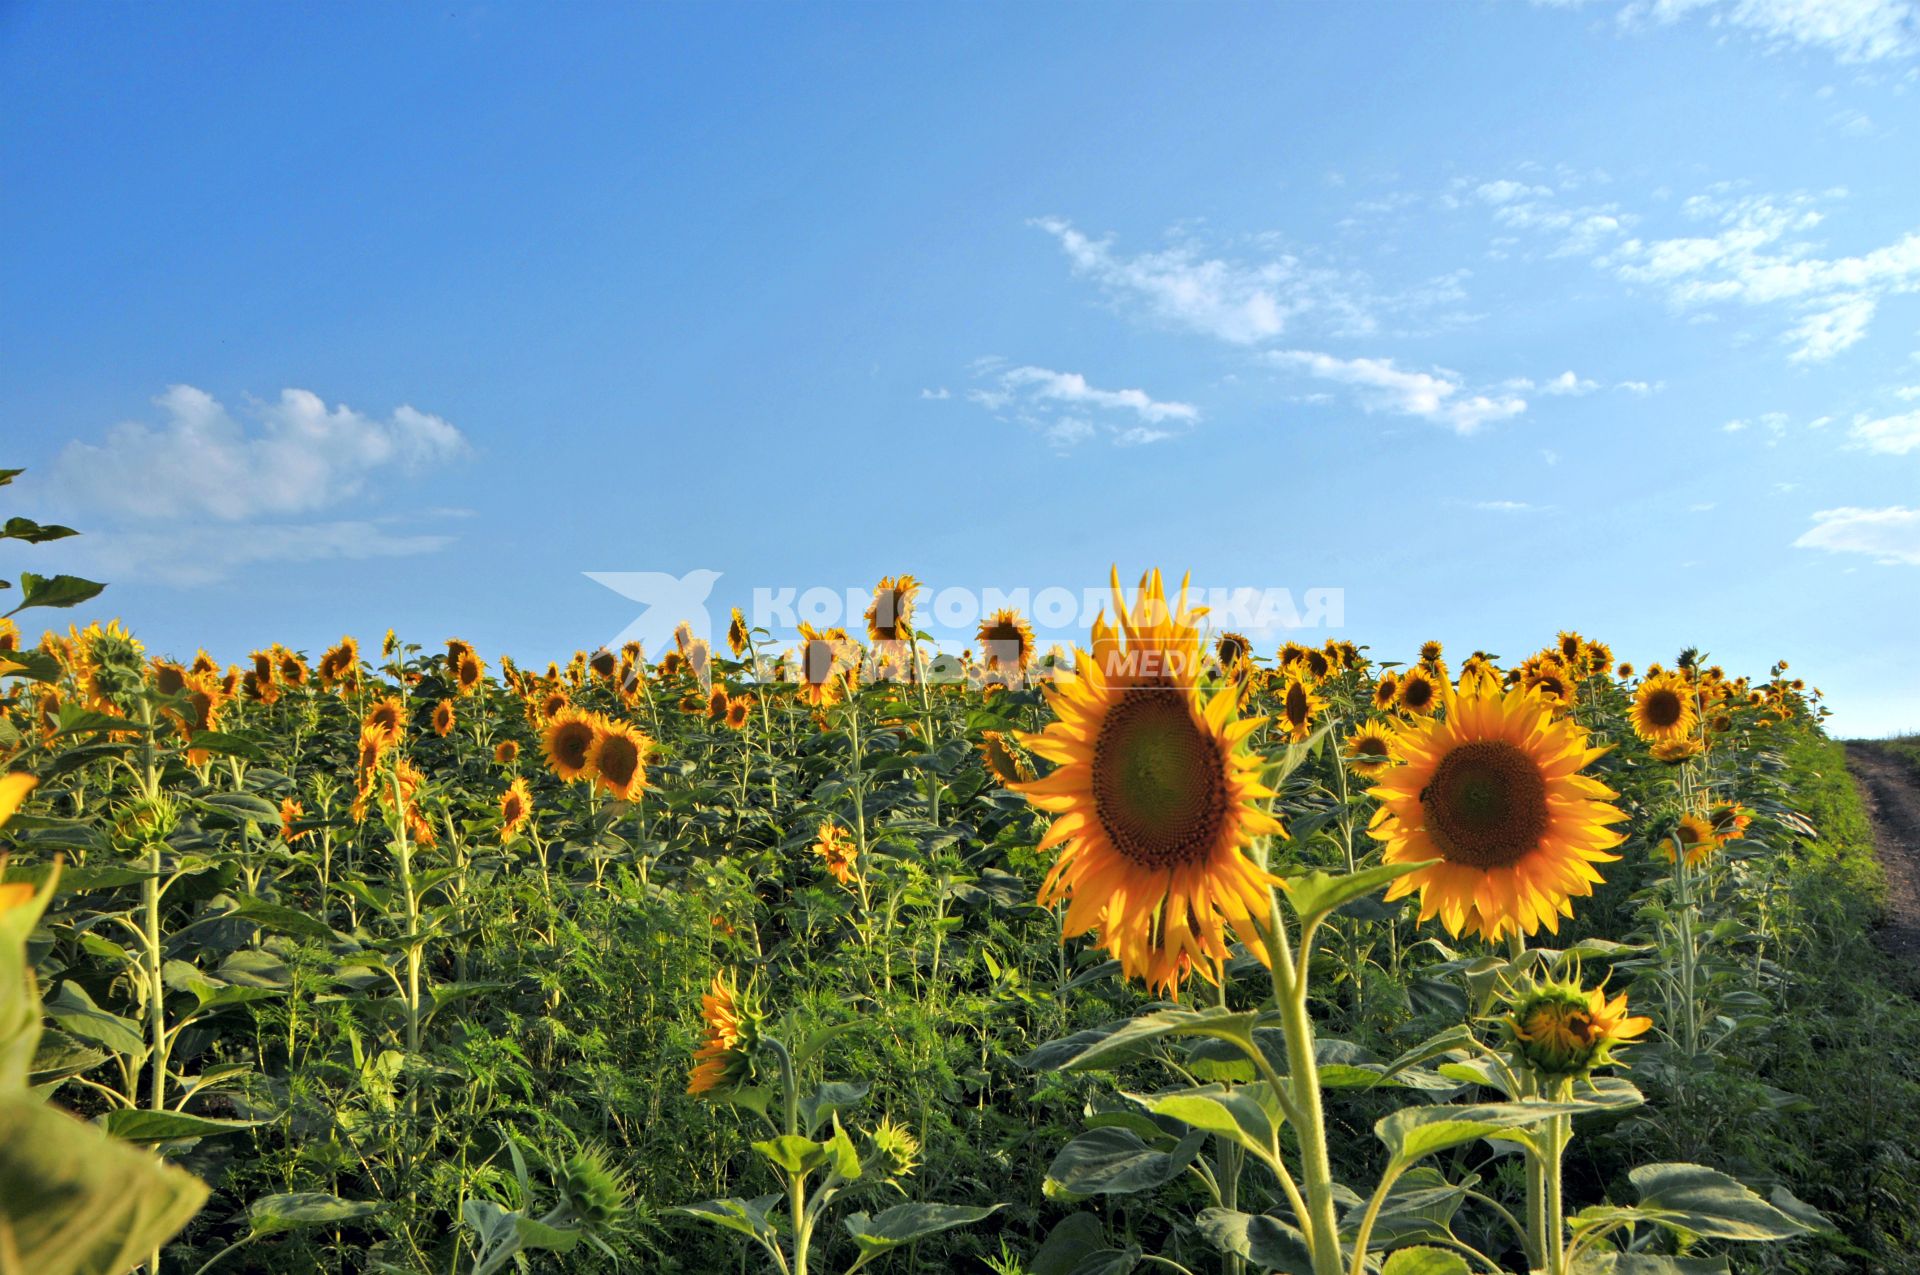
<point x="1430" y="652"/>
<point x="1006" y="760"/>
<point x="1571" y="645"/>
<point x="823" y="661"/>
<point x="9" y="635"/>
<point x="506" y="752"/>
<point x="1232" y="649"/>
<point x="1370" y="749"/>
<point x="836" y="848"/>
<point x="1299" y="706"/>
<point x="717" y="704"/>
<point x="1549" y="674"/>
<point x="340" y="665"/>
<point x="168" y="678"/>
<point x="737" y="634"/>
<point x="386" y="719"/>
<point x="1663" y="709"/>
<point x="737" y="709"/>
<point x="619" y="760"/>
<point x="1153" y="795"/>
<point x="1386" y="691"/>
<point x="1419" y="693"/>
<point x="890" y="615"/>
<point x="1495" y="795"/>
<point x="293" y="669"/>
<point x="1006" y="642"/>
<point x="1624" y="672"/>
<point x="603" y="664"/>
<point x="469" y="673"/>
<point x="568" y="743"/>
<point x="516" y="807"/>
<point x="551" y="705"/>
<point x="290" y="810"/>
<point x="1561" y="1029"/>
<point x="443" y="718"/>
<point x="722" y="1060"/>
<point x="1696" y="836"/>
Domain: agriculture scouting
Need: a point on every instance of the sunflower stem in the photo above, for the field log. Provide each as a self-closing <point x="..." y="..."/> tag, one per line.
<point x="1290" y="994"/>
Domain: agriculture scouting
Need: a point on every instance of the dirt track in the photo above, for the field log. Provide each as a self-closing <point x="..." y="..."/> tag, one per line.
<point x="1892" y="793"/>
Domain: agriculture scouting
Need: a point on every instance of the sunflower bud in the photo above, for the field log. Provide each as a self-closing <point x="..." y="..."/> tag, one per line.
<point x="143" y="822"/>
<point x="1559" y="1029"/>
<point x="595" y="1191"/>
<point x="897" y="1149"/>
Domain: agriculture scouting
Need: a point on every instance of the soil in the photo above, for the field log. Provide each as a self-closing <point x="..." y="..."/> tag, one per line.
<point x="1891" y="791"/>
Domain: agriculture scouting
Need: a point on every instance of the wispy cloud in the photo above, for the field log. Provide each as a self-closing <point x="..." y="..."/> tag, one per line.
<point x="205" y="491"/>
<point x="1850" y="30"/>
<point x="1565" y="385"/>
<point x="1890" y="535"/>
<point x="1066" y="409"/>
<point x="1891" y="435"/>
<point x="1509" y="507"/>
<point x="1438" y="396"/>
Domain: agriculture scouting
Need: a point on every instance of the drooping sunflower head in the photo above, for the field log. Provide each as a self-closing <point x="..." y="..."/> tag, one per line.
<point x="1006" y="642"/>
<point x="1153" y="794"/>
<point x="603" y="664"/>
<point x="290" y="811"/>
<point x="1300" y="708"/>
<point x="1419" y="694"/>
<point x="1663" y="708"/>
<point x="890" y="614"/>
<point x="1319" y="664"/>
<point x="1370" y="748"/>
<point x="568" y="743"/>
<point x="9" y="635"/>
<point x="1730" y="822"/>
<point x="837" y="851"/>
<point x="724" y="1059"/>
<point x="1559" y="1029"/>
<point x="516" y="807"/>
<point x="1676" y="751"/>
<point x="443" y="718"/>
<point x="823" y="662"/>
<point x="1494" y="793"/>
<point x="738" y="709"/>
<point x="737" y="634"/>
<point x="1006" y="760"/>
<point x="618" y="759"/>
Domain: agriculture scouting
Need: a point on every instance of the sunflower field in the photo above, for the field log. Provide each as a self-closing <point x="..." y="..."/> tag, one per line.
<point x="1161" y="954"/>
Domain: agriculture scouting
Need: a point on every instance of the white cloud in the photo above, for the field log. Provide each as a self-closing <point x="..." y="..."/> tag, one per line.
<point x="1066" y="410"/>
<point x="1640" y="387"/>
<point x="1891" y="435"/>
<point x="940" y="393"/>
<point x="1234" y="302"/>
<point x="1508" y="507"/>
<point x="203" y="462"/>
<point x="1505" y="192"/>
<point x="1757" y="255"/>
<point x="1436" y="396"/>
<point x="1890" y="535"/>
<point x="1568" y="384"/>
<point x="205" y="492"/>
<point x="1851" y="30"/>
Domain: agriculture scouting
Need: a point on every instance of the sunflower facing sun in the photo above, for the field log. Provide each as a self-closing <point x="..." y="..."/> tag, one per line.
<point x="1494" y="792"/>
<point x="1663" y="709"/>
<point x="1153" y="795"/>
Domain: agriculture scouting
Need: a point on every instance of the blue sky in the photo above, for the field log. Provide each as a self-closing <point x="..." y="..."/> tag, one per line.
<point x="1497" y="317"/>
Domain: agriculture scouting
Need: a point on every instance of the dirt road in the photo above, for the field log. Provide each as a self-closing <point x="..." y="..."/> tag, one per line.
<point x="1891" y="790"/>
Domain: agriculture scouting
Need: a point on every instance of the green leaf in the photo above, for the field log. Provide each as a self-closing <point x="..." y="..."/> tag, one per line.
<point x="1116" y="1161"/>
<point x="533" y="1233"/>
<point x="1105" y="1045"/>
<point x="829" y="1099"/>
<point x="905" y="1223"/>
<point x="1242" y="1114"/>
<point x="792" y="1152"/>
<point x="215" y="741"/>
<point x="76" y="1013"/>
<point x="285" y="920"/>
<point x="73" y="1201"/>
<point x="54" y="591"/>
<point x="167" y="1126"/>
<point x="1704" y="1202"/>
<point x="1314" y="894"/>
<point x="1647" y="1264"/>
<point x="1268" y="1242"/>
<point x="243" y="805"/>
<point x="1425" y="1261"/>
<point x="275" y="1213"/>
<point x="1418" y="1210"/>
<point x="747" y="1217"/>
<point x="1414" y="1132"/>
<point x="34" y="666"/>
<point x="34" y="533"/>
